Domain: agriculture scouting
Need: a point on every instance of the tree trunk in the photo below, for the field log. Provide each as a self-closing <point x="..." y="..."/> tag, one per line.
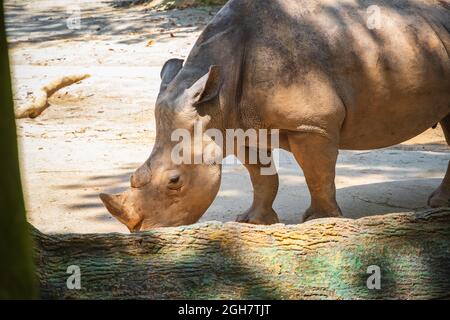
<point x="325" y="259"/>
<point x="16" y="269"/>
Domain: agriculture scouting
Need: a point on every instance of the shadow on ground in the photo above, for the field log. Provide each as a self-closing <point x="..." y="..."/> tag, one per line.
<point x="55" y="22"/>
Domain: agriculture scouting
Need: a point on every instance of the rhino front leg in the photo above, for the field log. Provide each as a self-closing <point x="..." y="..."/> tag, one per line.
<point x="265" y="188"/>
<point x="441" y="196"/>
<point x="317" y="156"/>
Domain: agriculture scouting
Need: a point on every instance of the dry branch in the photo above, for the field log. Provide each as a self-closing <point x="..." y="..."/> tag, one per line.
<point x="326" y="259"/>
<point x="40" y="101"/>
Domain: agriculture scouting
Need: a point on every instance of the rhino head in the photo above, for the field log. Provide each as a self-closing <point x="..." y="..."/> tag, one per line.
<point x="164" y="192"/>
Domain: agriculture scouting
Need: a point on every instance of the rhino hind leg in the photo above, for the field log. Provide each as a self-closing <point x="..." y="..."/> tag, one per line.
<point x="441" y="196"/>
<point x="265" y="188"/>
<point x="317" y="157"/>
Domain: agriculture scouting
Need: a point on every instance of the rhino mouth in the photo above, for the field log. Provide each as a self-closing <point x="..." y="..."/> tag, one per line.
<point x="137" y="227"/>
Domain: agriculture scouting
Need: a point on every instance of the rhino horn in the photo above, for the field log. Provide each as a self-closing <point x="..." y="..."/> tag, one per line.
<point x="114" y="204"/>
<point x="140" y="177"/>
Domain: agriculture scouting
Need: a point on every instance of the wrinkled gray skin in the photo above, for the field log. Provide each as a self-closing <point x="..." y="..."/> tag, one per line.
<point x="314" y="70"/>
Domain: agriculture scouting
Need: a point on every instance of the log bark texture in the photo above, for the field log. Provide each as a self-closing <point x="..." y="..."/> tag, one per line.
<point x="323" y="259"/>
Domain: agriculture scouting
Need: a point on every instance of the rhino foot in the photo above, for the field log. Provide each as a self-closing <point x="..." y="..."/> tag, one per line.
<point x="312" y="214"/>
<point x="439" y="198"/>
<point x="258" y="216"/>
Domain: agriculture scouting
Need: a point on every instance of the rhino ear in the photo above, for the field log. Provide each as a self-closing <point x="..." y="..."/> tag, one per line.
<point x="169" y="71"/>
<point x="207" y="87"/>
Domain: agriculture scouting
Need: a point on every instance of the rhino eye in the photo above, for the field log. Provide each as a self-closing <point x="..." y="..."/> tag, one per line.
<point x="175" y="182"/>
<point x="174" y="179"/>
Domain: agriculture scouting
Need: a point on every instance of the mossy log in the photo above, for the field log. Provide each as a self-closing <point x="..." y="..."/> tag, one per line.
<point x="323" y="259"/>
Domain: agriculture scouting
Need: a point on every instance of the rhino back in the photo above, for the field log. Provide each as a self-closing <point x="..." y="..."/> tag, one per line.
<point x="365" y="68"/>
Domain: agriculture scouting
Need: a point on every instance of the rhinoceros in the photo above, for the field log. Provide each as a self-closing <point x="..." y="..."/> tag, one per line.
<point x="328" y="74"/>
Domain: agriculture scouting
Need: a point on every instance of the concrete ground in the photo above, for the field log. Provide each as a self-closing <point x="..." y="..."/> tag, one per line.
<point x="97" y="132"/>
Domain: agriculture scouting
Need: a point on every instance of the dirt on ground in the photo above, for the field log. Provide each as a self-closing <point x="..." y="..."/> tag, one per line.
<point x="97" y="132"/>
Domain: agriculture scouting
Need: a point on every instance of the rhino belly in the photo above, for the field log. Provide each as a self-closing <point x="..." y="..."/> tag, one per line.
<point x="393" y="123"/>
